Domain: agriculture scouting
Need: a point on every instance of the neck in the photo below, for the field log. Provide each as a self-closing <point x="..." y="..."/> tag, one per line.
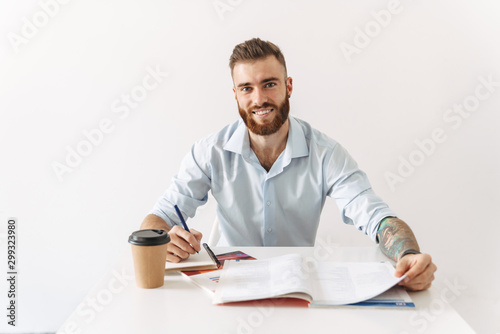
<point x="268" y="148"/>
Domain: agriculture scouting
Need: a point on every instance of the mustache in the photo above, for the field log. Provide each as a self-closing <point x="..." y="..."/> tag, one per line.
<point x="264" y="105"/>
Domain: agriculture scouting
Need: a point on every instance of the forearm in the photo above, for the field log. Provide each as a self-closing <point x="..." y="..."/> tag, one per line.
<point x="154" y="222"/>
<point x="395" y="237"/>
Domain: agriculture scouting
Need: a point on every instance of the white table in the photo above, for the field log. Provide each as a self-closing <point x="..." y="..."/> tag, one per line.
<point x="116" y="305"/>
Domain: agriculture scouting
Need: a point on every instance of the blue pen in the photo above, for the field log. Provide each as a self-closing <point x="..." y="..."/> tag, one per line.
<point x="182" y="219"/>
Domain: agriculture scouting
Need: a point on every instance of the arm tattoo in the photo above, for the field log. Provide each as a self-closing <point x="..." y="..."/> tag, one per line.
<point x="394" y="237"/>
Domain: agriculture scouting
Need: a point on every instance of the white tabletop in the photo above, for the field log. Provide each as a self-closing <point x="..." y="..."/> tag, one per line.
<point x="116" y="305"/>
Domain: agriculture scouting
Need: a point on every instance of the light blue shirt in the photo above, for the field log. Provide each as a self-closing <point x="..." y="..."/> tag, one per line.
<point x="281" y="207"/>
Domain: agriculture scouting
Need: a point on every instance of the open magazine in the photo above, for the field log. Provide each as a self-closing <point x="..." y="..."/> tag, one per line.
<point x="319" y="283"/>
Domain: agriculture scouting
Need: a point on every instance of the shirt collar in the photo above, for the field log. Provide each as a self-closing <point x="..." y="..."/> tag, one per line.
<point x="239" y="142"/>
<point x="296" y="145"/>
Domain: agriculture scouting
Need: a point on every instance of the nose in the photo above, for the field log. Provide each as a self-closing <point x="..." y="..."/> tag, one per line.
<point x="259" y="97"/>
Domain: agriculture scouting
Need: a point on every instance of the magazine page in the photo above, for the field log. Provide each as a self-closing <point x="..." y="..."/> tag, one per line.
<point x="340" y="283"/>
<point x="260" y="279"/>
<point x="395" y="297"/>
<point x="209" y="279"/>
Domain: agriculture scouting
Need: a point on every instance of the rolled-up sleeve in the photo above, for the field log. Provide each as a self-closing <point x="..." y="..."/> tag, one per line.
<point x="188" y="189"/>
<point x="351" y="189"/>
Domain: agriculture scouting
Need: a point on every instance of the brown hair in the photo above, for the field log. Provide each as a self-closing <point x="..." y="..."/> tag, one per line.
<point x="254" y="49"/>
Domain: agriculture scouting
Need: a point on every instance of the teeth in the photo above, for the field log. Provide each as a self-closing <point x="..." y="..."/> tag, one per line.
<point x="263" y="112"/>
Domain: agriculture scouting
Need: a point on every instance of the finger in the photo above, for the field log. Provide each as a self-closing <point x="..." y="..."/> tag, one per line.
<point x="172" y="249"/>
<point x="402" y="266"/>
<point x="419" y="282"/>
<point x="415" y="265"/>
<point x="179" y="242"/>
<point x="184" y="240"/>
<point x="173" y="258"/>
<point x="418" y="286"/>
<point x="423" y="280"/>
<point x="197" y="234"/>
<point x="192" y="242"/>
<point x="419" y="265"/>
<point x="426" y="276"/>
<point x="195" y="243"/>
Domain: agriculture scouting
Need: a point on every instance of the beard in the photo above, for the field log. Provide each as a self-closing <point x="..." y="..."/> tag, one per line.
<point x="271" y="127"/>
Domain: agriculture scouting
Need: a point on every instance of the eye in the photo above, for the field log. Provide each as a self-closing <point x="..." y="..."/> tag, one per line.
<point x="245" y="89"/>
<point x="270" y="84"/>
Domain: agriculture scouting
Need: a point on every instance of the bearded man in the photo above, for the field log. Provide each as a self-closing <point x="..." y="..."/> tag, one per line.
<point x="270" y="174"/>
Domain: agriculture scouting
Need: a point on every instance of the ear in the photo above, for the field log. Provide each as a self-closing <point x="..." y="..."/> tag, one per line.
<point x="234" y="91"/>
<point x="289" y="85"/>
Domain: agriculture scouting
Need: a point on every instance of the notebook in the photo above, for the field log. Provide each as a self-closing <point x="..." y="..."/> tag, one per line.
<point x="200" y="261"/>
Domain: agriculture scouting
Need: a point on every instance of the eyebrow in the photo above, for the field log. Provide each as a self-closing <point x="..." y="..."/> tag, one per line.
<point x="263" y="81"/>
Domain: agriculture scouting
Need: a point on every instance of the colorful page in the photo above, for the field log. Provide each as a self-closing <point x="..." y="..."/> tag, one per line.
<point x="394" y="297"/>
<point x="208" y="279"/>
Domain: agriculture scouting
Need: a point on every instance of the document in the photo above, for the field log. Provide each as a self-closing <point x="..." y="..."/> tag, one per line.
<point x="208" y="279"/>
<point x="320" y="283"/>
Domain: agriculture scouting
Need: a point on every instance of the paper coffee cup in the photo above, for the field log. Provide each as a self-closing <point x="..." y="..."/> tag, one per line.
<point x="149" y="250"/>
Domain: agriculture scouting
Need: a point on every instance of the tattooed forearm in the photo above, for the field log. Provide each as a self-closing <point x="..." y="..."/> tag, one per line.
<point x="394" y="237"/>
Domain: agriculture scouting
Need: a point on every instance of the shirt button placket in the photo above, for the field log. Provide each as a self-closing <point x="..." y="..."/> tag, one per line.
<point x="269" y="238"/>
<point x="269" y="229"/>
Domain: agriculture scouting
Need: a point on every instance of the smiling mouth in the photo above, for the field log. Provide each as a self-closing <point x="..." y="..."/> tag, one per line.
<point x="262" y="112"/>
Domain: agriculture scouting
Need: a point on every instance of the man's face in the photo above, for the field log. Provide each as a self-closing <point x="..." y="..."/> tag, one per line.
<point x="261" y="91"/>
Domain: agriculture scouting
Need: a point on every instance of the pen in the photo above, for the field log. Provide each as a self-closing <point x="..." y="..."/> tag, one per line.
<point x="212" y="255"/>
<point x="181" y="218"/>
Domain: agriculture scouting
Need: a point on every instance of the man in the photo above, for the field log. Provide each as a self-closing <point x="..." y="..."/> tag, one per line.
<point x="270" y="175"/>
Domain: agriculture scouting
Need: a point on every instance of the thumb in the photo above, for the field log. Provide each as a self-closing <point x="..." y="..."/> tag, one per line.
<point x="197" y="234"/>
<point x="402" y="266"/>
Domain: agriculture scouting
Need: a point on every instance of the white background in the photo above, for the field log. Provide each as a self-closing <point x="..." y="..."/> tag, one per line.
<point x="64" y="79"/>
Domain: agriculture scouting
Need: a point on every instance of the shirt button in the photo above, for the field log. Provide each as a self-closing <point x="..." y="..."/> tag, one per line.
<point x="268" y="203"/>
<point x="269" y="229"/>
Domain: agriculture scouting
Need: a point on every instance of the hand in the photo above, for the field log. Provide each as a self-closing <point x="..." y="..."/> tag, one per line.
<point x="419" y="271"/>
<point x="182" y="243"/>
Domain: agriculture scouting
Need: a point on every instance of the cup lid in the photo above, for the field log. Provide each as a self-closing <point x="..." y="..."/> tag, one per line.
<point x="149" y="237"/>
